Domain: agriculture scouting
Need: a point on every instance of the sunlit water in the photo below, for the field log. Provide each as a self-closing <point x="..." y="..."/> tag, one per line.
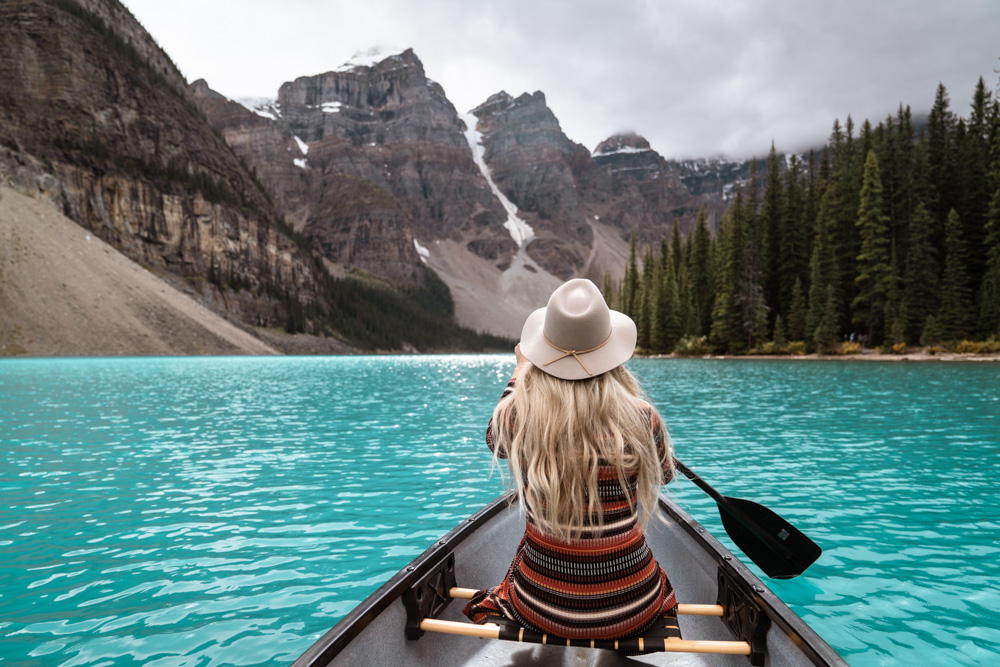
<point x="230" y="510"/>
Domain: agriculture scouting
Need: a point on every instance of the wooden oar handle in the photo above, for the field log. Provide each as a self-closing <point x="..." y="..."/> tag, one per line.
<point x="670" y="644"/>
<point x="685" y="609"/>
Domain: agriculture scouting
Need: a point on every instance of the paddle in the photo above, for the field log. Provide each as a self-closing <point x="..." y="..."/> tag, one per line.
<point x="778" y="547"/>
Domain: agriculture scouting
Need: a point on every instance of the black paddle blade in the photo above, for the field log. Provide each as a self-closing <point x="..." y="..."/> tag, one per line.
<point x="775" y="545"/>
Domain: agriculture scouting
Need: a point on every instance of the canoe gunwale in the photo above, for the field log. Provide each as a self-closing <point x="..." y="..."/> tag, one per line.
<point x="797" y="630"/>
<point x="327" y="647"/>
<point x="351" y="625"/>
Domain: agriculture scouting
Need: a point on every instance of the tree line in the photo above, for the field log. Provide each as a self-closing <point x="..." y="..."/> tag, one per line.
<point x="889" y="237"/>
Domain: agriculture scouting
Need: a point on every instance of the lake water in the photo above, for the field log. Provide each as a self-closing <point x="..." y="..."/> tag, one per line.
<point x="204" y="511"/>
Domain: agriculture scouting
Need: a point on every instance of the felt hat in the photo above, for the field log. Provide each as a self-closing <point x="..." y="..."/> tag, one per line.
<point x="576" y="336"/>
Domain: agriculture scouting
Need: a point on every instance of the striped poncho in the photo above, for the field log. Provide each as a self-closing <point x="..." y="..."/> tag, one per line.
<point x="604" y="585"/>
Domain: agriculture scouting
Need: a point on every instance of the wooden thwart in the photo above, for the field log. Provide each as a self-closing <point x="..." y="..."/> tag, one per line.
<point x="683" y="609"/>
<point x="670" y="644"/>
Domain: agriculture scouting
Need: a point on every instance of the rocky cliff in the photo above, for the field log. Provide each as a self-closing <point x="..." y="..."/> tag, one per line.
<point x="369" y="162"/>
<point x="374" y="166"/>
<point x="96" y="121"/>
<point x="649" y="192"/>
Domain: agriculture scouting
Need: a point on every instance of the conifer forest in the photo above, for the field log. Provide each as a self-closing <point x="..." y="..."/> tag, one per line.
<point x="887" y="236"/>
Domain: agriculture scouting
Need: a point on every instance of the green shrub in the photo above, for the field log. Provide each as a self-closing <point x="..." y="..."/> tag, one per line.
<point x="967" y="347"/>
<point x="693" y="347"/>
<point x="849" y="348"/>
<point x="796" y="348"/>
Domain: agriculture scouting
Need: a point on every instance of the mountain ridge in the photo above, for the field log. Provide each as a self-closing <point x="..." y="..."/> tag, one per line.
<point x="385" y="137"/>
<point x="96" y="121"/>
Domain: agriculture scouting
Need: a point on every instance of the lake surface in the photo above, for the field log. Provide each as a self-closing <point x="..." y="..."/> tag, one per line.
<point x="204" y="511"/>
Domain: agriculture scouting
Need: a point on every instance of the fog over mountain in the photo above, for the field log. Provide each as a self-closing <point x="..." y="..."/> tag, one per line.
<point x="696" y="79"/>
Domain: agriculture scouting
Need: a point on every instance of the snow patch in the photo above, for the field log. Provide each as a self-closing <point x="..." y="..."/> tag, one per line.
<point x="422" y="251"/>
<point x="303" y="146"/>
<point x="623" y="150"/>
<point x="299" y="162"/>
<point x="519" y="230"/>
<point x="262" y="106"/>
<point x="331" y="107"/>
<point x="370" y="57"/>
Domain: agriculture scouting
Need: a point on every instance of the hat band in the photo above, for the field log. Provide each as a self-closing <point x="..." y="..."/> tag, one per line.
<point x="574" y="353"/>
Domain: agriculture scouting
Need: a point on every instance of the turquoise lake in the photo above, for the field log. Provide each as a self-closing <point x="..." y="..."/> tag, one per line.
<point x="208" y="511"/>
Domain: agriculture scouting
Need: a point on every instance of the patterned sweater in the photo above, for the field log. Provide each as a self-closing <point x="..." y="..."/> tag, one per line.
<point x="605" y="585"/>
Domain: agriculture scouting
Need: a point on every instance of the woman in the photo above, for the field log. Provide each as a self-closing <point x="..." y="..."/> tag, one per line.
<point x="587" y="455"/>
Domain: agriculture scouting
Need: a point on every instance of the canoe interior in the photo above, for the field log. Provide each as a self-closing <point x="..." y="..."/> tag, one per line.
<point x="484" y="545"/>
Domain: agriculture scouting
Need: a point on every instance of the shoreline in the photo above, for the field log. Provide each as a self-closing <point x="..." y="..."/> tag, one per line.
<point x="309" y="347"/>
<point x="918" y="356"/>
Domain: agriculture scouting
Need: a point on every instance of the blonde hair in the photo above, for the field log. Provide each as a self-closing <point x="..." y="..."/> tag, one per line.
<point x="557" y="433"/>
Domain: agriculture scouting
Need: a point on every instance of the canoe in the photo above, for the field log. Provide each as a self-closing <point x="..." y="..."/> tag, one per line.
<point x="385" y="630"/>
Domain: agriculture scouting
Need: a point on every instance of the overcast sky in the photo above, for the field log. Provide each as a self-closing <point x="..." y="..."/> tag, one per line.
<point x="697" y="78"/>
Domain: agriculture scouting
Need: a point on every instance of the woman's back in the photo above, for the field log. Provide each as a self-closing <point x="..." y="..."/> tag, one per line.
<point x="585" y="452"/>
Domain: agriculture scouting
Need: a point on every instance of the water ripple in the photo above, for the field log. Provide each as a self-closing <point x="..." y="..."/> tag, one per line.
<point x="229" y="511"/>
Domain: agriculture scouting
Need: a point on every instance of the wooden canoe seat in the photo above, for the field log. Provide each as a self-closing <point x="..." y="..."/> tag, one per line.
<point x="664" y="637"/>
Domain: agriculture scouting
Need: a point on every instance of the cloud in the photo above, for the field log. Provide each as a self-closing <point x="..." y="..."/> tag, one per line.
<point x="696" y="78"/>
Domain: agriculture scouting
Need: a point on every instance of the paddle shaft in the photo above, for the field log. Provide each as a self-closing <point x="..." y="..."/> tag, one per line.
<point x="700" y="483"/>
<point x="769" y="540"/>
<point x="684" y="609"/>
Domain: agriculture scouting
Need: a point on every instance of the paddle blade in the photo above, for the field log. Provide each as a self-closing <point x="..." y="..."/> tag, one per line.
<point x="776" y="546"/>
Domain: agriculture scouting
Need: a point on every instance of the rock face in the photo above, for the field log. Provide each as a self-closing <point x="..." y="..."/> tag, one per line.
<point x="532" y="162"/>
<point x="366" y="160"/>
<point x="64" y="291"/>
<point x="375" y="167"/>
<point x="95" y="119"/>
<point x="650" y="195"/>
<point x="370" y="166"/>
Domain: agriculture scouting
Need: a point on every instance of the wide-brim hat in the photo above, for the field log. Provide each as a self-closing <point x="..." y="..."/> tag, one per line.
<point x="576" y="336"/>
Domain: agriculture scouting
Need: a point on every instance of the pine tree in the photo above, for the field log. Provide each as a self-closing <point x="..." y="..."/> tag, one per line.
<point x="794" y="252"/>
<point x="772" y="215"/>
<point x="727" y="322"/>
<point x="630" y="283"/>
<point x="797" y="313"/>
<point x="608" y="290"/>
<point x="815" y="186"/>
<point x="825" y="335"/>
<point x="973" y="157"/>
<point x="989" y="298"/>
<point x="700" y="276"/>
<point x="955" y="315"/>
<point x="671" y="322"/>
<point x="685" y="310"/>
<point x="779" y="338"/>
<point x="842" y="214"/>
<point x="657" y="344"/>
<point x="921" y="283"/>
<point x="758" y="333"/>
<point x="644" y="320"/>
<point x="873" y="260"/>
<point x="676" y="248"/>
<point x="989" y="293"/>
<point x="941" y="154"/>
<point x="895" y="324"/>
<point x="750" y="281"/>
<point x="823" y="272"/>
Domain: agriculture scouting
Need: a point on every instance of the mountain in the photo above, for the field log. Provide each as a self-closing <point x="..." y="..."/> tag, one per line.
<point x="61" y="293"/>
<point x="357" y="204"/>
<point x="375" y="167"/>
<point x="97" y="121"/>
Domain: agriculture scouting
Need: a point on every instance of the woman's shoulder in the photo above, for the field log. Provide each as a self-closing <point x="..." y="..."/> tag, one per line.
<point x="645" y="405"/>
